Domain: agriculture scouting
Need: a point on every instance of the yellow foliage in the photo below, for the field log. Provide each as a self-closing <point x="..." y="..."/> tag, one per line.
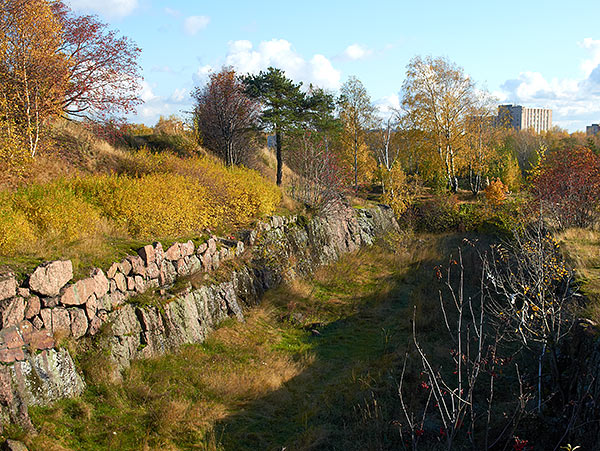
<point x="170" y="197"/>
<point x="495" y="193"/>
<point x="397" y="193"/>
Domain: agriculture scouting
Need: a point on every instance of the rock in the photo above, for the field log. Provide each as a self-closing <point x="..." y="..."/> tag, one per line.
<point x="187" y="249"/>
<point x="130" y="283"/>
<point x="125" y="267"/>
<point x="159" y="253"/>
<point x="137" y="265"/>
<point x="79" y="292"/>
<point x="152" y="271"/>
<point x="11" y="355"/>
<point x="91" y="306"/>
<point x="174" y="252"/>
<point x="102" y="284"/>
<point x="41" y="339"/>
<point x="48" y="279"/>
<point x="120" y="282"/>
<point x="224" y="253"/>
<point x="25" y="328"/>
<point x="95" y="325"/>
<point x="50" y="302"/>
<point x="112" y="270"/>
<point x="206" y="261"/>
<point x="46" y="315"/>
<point x="194" y="265"/>
<point x="10" y="338"/>
<point x="139" y="284"/>
<point x="38" y="323"/>
<point x="23" y="292"/>
<point x="33" y="307"/>
<point x="148" y="254"/>
<point x="117" y="299"/>
<point x="61" y="321"/>
<point x="14" y="445"/>
<point x="13" y="312"/>
<point x="8" y="286"/>
<point x="79" y="323"/>
<point x="181" y="267"/>
<point x="201" y="249"/>
<point x="215" y="261"/>
<point x="167" y="273"/>
<point x="212" y="246"/>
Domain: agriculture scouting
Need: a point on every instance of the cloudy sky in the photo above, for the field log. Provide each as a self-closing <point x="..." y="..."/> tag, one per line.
<point x="535" y="53"/>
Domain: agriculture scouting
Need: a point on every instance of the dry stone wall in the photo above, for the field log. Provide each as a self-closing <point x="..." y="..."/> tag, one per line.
<point x="48" y="306"/>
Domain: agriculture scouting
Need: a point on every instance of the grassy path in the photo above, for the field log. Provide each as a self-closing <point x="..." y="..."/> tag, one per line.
<point x="313" y="367"/>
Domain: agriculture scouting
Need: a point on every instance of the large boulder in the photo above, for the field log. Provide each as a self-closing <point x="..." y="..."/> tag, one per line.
<point x="49" y="278"/>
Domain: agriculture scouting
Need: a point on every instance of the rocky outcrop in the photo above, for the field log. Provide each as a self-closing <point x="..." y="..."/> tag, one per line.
<point x="47" y="306"/>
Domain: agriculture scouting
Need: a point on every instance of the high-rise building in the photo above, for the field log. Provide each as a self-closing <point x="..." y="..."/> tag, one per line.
<point x="524" y="118"/>
<point x="593" y="129"/>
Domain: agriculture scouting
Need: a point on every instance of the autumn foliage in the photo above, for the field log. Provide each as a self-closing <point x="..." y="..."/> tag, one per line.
<point x="495" y="192"/>
<point x="567" y="186"/>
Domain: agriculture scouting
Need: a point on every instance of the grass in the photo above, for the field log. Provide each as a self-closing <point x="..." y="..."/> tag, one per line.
<point x="307" y="369"/>
<point x="581" y="247"/>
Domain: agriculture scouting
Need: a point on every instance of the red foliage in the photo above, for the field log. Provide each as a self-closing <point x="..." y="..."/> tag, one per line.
<point x="226" y="116"/>
<point x="568" y="186"/>
<point x="104" y="74"/>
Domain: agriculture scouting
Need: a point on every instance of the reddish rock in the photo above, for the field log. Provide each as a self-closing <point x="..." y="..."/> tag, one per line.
<point x="38" y="323"/>
<point x="117" y="299"/>
<point x="11" y="355"/>
<point x="23" y="292"/>
<point x="181" y="267"/>
<point x="139" y="284"/>
<point x="137" y="265"/>
<point x="50" y="302"/>
<point x="112" y="270"/>
<point x="187" y="249"/>
<point x="79" y="292"/>
<point x="201" y="249"/>
<point x="25" y="328"/>
<point x="131" y="283"/>
<point x="48" y="279"/>
<point x="33" y="307"/>
<point x="174" y="252"/>
<point x="79" y="322"/>
<point x="41" y="339"/>
<point x="159" y="253"/>
<point x="224" y="253"/>
<point x="91" y="306"/>
<point x="125" y="267"/>
<point x="206" y="260"/>
<point x="121" y="282"/>
<point x="8" y="286"/>
<point x="46" y="315"/>
<point x="11" y="338"/>
<point x="14" y="312"/>
<point x="102" y="284"/>
<point x="153" y="272"/>
<point x="148" y="254"/>
<point x="95" y="324"/>
<point x="61" y="321"/>
<point x="212" y="246"/>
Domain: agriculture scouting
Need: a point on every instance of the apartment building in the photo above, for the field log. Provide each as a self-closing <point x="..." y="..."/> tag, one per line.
<point x="524" y="118"/>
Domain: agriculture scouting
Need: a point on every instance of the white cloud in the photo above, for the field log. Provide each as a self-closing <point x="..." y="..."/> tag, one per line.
<point x="146" y="93"/>
<point x="388" y="104"/>
<point x="172" y="12"/>
<point x="193" y="24"/>
<point x="201" y="75"/>
<point x="107" y="8"/>
<point x="279" y="53"/>
<point x="575" y="102"/>
<point x="356" y="52"/>
<point x="154" y="105"/>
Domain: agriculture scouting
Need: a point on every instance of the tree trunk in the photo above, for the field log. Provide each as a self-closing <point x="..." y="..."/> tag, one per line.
<point x="279" y="156"/>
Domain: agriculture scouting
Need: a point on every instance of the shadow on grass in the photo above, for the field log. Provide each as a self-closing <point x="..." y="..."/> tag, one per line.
<point x="347" y="398"/>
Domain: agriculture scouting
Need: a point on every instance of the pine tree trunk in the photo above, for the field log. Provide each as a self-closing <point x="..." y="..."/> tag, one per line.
<point x="279" y="156"/>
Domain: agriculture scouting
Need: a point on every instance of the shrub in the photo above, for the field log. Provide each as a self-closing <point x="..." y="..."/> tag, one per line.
<point x="397" y="193"/>
<point x="495" y="193"/>
<point x="567" y="186"/>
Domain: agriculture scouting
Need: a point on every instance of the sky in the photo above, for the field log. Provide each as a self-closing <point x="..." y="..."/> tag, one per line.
<point x="529" y="52"/>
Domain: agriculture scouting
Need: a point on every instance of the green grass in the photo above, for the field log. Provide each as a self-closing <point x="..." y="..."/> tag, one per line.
<point x="312" y="383"/>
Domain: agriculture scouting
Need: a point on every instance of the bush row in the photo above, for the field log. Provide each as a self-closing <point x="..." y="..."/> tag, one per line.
<point x="158" y="196"/>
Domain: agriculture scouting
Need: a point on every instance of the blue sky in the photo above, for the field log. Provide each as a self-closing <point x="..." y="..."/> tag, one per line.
<point x="535" y="53"/>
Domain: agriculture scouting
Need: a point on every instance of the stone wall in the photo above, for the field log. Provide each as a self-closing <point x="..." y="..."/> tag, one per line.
<point x="47" y="306"/>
